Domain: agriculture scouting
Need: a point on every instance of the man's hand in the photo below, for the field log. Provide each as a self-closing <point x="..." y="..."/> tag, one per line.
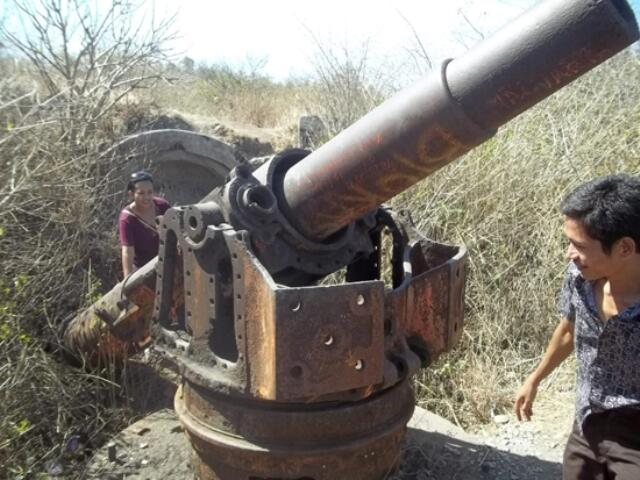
<point x="560" y="347"/>
<point x="524" y="400"/>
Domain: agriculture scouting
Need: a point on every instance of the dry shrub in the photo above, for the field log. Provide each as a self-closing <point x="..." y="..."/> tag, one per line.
<point x="56" y="224"/>
<point x="501" y="201"/>
<point x="61" y="78"/>
<point x="239" y="94"/>
<point x="52" y="414"/>
<point x="347" y="84"/>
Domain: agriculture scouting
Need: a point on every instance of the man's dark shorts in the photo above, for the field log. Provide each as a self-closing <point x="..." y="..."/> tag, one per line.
<point x="608" y="449"/>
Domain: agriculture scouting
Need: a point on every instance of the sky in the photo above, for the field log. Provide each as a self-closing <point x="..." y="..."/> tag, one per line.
<point x="281" y="32"/>
<point x="283" y="36"/>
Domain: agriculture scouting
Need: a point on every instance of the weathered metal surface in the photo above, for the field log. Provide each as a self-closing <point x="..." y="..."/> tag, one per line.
<point x="279" y="381"/>
<point x="290" y="257"/>
<point x="240" y="439"/>
<point x="156" y="448"/>
<point x="186" y="165"/>
<point x="390" y="149"/>
<point x="433" y="297"/>
<point x="430" y="124"/>
<point x="311" y="341"/>
<point x="118" y="323"/>
<point x="543" y="50"/>
<point x="250" y="335"/>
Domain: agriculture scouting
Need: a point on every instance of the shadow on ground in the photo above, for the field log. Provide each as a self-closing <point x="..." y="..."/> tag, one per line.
<point x="431" y="455"/>
<point x="156" y="447"/>
<point x="436" y="449"/>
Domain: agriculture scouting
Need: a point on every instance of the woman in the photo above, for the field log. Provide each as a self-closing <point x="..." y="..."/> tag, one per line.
<point x="137" y="222"/>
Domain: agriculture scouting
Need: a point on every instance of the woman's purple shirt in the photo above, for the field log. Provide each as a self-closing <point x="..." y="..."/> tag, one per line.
<point x="135" y="233"/>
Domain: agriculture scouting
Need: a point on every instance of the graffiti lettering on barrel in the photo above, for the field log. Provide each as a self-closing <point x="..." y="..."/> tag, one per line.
<point x="528" y="93"/>
<point x="439" y="144"/>
<point x="430" y="150"/>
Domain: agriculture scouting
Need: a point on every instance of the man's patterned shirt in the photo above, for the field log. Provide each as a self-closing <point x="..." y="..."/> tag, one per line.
<point x="608" y="353"/>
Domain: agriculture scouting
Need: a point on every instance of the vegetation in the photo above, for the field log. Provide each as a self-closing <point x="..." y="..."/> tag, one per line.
<point x="501" y="201"/>
<point x="60" y="110"/>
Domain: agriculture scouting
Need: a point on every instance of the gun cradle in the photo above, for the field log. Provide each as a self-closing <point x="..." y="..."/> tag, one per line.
<point x="276" y="375"/>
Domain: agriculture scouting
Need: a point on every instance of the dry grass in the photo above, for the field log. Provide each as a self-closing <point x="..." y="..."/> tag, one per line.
<point x="52" y="414"/>
<point x="57" y="248"/>
<point x="501" y="202"/>
<point x="236" y="95"/>
<point x="59" y="194"/>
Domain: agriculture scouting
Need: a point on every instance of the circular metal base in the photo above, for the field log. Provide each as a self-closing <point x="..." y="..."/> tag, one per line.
<point x="240" y="439"/>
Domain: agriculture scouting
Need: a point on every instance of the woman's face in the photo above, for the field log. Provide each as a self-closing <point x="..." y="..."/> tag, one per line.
<point x="142" y="194"/>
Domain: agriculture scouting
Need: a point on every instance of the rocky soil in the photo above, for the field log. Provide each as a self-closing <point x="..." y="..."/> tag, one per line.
<point x="436" y="449"/>
<point x="503" y="450"/>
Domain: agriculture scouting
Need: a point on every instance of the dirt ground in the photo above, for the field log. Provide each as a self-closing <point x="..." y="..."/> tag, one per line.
<point x="503" y="450"/>
<point x="156" y="448"/>
<point x="436" y="449"/>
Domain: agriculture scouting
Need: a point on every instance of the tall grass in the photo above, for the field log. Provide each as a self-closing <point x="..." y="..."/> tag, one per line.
<point x="501" y="201"/>
<point x="240" y="94"/>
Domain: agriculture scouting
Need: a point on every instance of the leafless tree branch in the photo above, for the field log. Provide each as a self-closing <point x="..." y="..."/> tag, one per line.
<point x="421" y="50"/>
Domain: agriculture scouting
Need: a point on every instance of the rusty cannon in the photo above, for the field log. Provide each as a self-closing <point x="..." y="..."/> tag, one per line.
<point x="286" y="375"/>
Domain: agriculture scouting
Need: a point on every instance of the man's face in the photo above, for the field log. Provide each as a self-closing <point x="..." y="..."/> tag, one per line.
<point x="587" y="253"/>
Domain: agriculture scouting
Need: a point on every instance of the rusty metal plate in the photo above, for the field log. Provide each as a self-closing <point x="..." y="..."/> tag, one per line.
<point x="434" y="307"/>
<point x="118" y="324"/>
<point x="329" y="339"/>
<point x="302" y="343"/>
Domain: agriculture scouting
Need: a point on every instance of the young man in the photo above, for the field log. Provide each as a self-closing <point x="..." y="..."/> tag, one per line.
<point x="600" y="308"/>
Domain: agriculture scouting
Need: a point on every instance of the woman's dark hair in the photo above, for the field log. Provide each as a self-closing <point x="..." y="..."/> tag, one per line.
<point x="608" y="207"/>
<point x="136" y="177"/>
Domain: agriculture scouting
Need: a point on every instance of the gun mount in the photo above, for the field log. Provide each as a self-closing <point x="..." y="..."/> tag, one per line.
<point x="285" y="378"/>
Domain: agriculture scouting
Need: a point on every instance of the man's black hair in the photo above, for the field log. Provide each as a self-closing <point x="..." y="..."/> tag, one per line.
<point x="608" y="207"/>
<point x="136" y="177"/>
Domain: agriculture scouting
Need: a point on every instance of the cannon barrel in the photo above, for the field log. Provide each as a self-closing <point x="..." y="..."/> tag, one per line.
<point x="117" y="324"/>
<point x="430" y="124"/>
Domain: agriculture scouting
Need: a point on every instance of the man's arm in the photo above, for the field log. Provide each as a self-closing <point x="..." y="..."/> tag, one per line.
<point x="559" y="348"/>
<point x="127" y="260"/>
